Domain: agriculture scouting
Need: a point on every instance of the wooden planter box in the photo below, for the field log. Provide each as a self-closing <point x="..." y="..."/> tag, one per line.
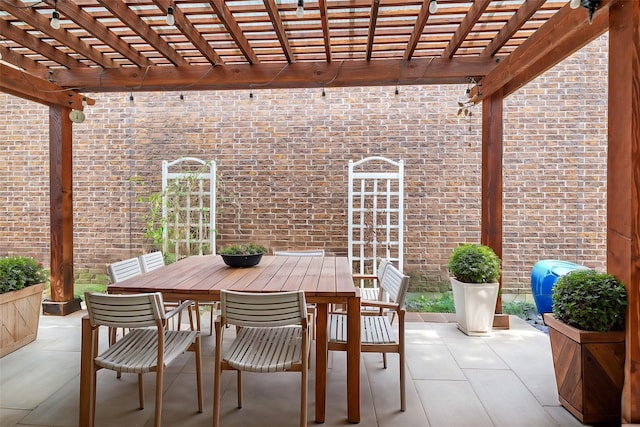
<point x="19" y="317"/>
<point x="589" y="368"/>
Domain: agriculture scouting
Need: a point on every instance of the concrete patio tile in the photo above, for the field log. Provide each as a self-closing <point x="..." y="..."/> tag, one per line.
<point x="432" y="362"/>
<point x="506" y="399"/>
<point x="474" y="352"/>
<point x="439" y="391"/>
<point x="562" y="417"/>
<point x="451" y="404"/>
<point x="45" y="371"/>
<point x="385" y="388"/>
<point x="530" y="359"/>
<point x="11" y="417"/>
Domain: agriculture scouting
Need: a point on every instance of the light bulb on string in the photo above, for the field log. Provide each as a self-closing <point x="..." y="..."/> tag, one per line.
<point x="433" y="6"/>
<point x="55" y="16"/>
<point x="574" y="4"/>
<point x="55" y="20"/>
<point x="171" y="19"/>
<point x="300" y="9"/>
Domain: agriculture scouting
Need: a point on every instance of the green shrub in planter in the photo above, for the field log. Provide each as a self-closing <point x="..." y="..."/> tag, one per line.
<point x="17" y="272"/>
<point x="246" y="249"/>
<point x="591" y="301"/>
<point x="474" y="263"/>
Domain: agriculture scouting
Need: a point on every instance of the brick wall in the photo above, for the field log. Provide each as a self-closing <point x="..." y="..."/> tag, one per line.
<point x="284" y="156"/>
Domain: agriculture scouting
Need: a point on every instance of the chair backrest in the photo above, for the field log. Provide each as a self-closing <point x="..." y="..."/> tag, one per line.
<point x="311" y="252"/>
<point x="395" y="284"/>
<point x="124" y="311"/>
<point x="382" y="267"/>
<point x="263" y="309"/>
<point x="122" y="270"/>
<point x="151" y="261"/>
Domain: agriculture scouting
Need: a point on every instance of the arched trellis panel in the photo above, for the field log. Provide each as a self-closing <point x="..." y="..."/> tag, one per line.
<point x="376" y="213"/>
<point x="188" y="207"/>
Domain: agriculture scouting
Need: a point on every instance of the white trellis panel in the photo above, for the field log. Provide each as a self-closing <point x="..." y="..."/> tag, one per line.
<point x="376" y="213"/>
<point x="198" y="213"/>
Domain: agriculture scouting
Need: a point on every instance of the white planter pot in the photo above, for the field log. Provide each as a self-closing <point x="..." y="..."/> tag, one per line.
<point x="475" y="305"/>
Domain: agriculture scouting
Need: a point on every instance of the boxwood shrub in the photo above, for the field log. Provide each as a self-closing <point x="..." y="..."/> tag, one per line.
<point x="591" y="301"/>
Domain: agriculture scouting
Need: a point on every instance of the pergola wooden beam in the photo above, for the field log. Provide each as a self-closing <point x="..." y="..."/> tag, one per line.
<point x="574" y="42"/>
<point x="418" y="28"/>
<point x="324" y="20"/>
<point x="278" y="76"/>
<point x="474" y="14"/>
<point x="226" y="17"/>
<point x="21" y="61"/>
<point x="23" y="38"/>
<point x="141" y="28"/>
<point x="491" y="230"/>
<point x="371" y="33"/>
<point x="569" y="30"/>
<point x="73" y="12"/>
<point x="623" y="184"/>
<point x="23" y="85"/>
<point x="518" y="19"/>
<point x="190" y="32"/>
<point x="274" y="14"/>
<point x="37" y="20"/>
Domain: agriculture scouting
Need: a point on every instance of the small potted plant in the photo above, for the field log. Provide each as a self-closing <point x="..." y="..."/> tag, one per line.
<point x="242" y="255"/>
<point x="475" y="270"/>
<point x="22" y="281"/>
<point x="586" y="330"/>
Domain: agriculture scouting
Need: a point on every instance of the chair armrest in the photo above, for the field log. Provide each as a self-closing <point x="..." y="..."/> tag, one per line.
<point x="380" y="304"/>
<point x="184" y="304"/>
<point x="364" y="276"/>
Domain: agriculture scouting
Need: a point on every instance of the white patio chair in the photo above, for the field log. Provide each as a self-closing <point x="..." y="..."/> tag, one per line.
<point x="309" y="252"/>
<point x="147" y="347"/>
<point x="122" y="270"/>
<point x="377" y="333"/>
<point x="376" y="292"/>
<point x="151" y="261"/>
<point x="154" y="260"/>
<point x="311" y="308"/>
<point x="272" y="336"/>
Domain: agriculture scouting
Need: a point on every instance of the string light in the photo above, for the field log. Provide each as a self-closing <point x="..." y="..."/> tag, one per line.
<point x="323" y="91"/>
<point x="300" y="9"/>
<point x="55" y="17"/>
<point x="171" y="19"/>
<point x="397" y="91"/>
<point x="131" y="96"/>
<point x="574" y="4"/>
<point x="433" y="6"/>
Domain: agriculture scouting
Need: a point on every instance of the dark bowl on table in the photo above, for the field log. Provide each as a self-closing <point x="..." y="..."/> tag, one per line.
<point x="241" y="260"/>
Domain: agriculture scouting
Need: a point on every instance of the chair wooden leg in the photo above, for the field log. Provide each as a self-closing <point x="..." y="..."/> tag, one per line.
<point x="239" y="385"/>
<point x="159" y="387"/>
<point x="92" y="400"/>
<point x="213" y="314"/>
<point x="303" y="397"/>
<point x="198" y="356"/>
<point x="384" y="360"/>
<point x="141" y="391"/>
<point x="217" y="376"/>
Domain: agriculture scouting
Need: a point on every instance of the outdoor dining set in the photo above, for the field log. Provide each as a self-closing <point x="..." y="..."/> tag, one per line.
<point x="277" y="308"/>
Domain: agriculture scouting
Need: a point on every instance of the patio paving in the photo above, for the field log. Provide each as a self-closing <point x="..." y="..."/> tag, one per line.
<point x="505" y="380"/>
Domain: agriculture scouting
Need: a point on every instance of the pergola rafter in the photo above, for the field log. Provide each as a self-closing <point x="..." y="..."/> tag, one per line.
<point x="126" y="45"/>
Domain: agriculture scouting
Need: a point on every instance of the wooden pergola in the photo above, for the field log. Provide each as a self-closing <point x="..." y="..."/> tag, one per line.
<point x="181" y="45"/>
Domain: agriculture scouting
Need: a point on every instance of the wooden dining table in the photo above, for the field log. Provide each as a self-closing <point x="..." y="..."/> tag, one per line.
<point x="324" y="280"/>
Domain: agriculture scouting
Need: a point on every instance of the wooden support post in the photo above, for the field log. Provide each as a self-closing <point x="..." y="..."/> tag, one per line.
<point x="623" y="184"/>
<point x="61" y="214"/>
<point x="492" y="146"/>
